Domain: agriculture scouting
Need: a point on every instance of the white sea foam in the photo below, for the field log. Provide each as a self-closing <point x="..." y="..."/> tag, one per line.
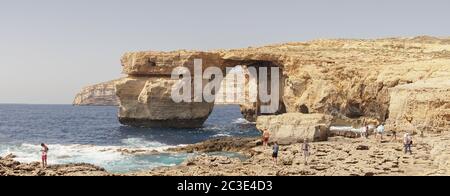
<point x="109" y="157"/>
<point x="222" y="135"/>
<point x="213" y="128"/>
<point x="242" y="121"/>
<point x="347" y="128"/>
<point x="64" y="153"/>
<point x="340" y="128"/>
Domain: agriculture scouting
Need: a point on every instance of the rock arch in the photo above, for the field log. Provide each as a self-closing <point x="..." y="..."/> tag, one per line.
<point x="145" y="95"/>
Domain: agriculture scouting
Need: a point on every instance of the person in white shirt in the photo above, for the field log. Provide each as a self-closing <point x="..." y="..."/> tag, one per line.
<point x="380" y="131"/>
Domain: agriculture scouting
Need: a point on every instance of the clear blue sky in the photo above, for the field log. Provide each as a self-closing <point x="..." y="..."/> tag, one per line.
<point x="50" y="49"/>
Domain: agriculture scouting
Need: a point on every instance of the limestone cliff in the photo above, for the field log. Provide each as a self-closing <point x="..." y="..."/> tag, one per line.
<point x="344" y="78"/>
<point x="423" y="105"/>
<point x="103" y="94"/>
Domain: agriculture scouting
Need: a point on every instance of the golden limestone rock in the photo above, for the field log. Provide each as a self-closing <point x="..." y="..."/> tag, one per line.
<point x="401" y="81"/>
<point x="295" y="127"/>
<point x="146" y="102"/>
<point x="145" y="95"/>
<point x="421" y="106"/>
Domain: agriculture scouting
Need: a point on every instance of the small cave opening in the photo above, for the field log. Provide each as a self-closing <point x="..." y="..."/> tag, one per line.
<point x="303" y="109"/>
<point x="151" y="63"/>
<point x="353" y="110"/>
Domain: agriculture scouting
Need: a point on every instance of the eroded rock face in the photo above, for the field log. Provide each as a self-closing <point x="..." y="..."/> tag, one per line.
<point x="159" y="64"/>
<point x="147" y="102"/>
<point x="295" y="127"/>
<point x="342" y="78"/>
<point x="423" y="105"/>
<point x="145" y="95"/>
<point x="103" y="94"/>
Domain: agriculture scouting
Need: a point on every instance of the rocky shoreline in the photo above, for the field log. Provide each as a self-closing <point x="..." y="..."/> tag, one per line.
<point x="338" y="156"/>
<point x="10" y="167"/>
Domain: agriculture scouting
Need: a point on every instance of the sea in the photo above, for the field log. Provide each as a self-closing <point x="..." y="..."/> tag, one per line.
<point x="92" y="134"/>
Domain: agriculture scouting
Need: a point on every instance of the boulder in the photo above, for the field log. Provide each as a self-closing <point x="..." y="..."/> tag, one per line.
<point x="295" y="127"/>
<point x="362" y="147"/>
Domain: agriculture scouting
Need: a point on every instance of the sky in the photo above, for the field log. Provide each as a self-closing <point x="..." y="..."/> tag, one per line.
<point x="50" y="49"/>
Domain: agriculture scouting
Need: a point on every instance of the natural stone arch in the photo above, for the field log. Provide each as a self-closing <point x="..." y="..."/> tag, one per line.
<point x="145" y="95"/>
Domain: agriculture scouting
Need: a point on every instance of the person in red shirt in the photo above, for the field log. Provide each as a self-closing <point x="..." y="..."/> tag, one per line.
<point x="265" y="138"/>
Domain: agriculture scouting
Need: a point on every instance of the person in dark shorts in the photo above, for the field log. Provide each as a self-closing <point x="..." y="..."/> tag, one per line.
<point x="367" y="131"/>
<point x="407" y="142"/>
<point x="276" y="148"/>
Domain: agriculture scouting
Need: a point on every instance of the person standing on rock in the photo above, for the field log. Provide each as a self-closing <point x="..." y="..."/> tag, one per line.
<point x="276" y="148"/>
<point x="380" y="130"/>
<point x="407" y="142"/>
<point x="394" y="133"/>
<point x="365" y="131"/>
<point x="44" y="155"/>
<point x="266" y="136"/>
<point x="305" y="149"/>
<point x="394" y="136"/>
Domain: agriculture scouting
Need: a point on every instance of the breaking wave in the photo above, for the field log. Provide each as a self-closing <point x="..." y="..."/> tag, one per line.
<point x="109" y="157"/>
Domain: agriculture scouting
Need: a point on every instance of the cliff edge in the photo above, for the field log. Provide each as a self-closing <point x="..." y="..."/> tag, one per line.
<point x="103" y="94"/>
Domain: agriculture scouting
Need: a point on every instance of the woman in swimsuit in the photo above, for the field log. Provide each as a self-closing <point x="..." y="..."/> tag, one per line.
<point x="44" y="155"/>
